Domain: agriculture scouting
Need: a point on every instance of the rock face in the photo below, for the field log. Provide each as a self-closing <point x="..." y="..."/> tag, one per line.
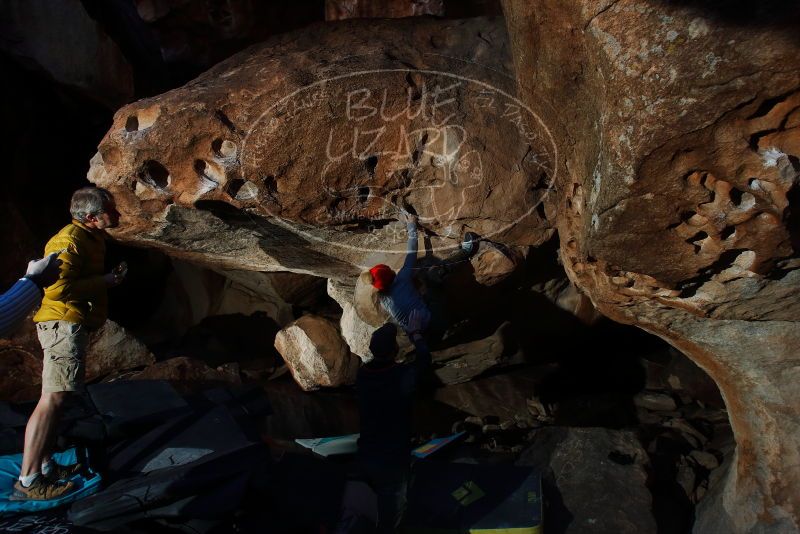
<point x="356" y="331"/>
<point x="188" y="375"/>
<point x="193" y="293"/>
<point x="20" y="374"/>
<point x="494" y="264"/>
<point x="461" y="363"/>
<point x="677" y="203"/>
<point x="228" y="172"/>
<point x="595" y="477"/>
<point x="114" y="349"/>
<point x="316" y="354"/>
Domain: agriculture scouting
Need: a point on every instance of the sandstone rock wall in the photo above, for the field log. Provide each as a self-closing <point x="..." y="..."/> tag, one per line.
<point x="660" y="138"/>
<point x="279" y="159"/>
<point x="677" y="203"/>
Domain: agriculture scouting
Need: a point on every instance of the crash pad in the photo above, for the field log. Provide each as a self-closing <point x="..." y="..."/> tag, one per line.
<point x="10" y="466"/>
<point x="435" y="445"/>
<point x="331" y="446"/>
<point x="460" y="497"/>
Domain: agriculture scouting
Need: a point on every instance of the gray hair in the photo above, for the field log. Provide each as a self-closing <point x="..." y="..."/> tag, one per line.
<point x="89" y="201"/>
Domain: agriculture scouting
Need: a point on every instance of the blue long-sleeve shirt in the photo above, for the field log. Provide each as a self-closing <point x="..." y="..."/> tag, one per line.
<point x="385" y="399"/>
<point x="16" y="304"/>
<point x="402" y="296"/>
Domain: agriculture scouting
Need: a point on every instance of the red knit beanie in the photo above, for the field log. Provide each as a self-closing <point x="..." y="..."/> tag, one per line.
<point x="382" y="277"/>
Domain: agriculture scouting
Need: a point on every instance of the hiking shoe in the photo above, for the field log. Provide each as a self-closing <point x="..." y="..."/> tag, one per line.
<point x="470" y="243"/>
<point x="41" y="489"/>
<point x="63" y="472"/>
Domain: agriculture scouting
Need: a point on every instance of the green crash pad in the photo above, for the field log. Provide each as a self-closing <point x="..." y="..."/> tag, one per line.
<point x="459" y="497"/>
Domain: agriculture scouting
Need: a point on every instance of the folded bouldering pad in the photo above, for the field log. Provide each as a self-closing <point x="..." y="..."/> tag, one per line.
<point x="176" y="470"/>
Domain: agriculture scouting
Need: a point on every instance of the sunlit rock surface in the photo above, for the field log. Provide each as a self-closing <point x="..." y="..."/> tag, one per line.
<point x="316" y="354"/>
<point x="677" y="180"/>
<point x="295" y="154"/>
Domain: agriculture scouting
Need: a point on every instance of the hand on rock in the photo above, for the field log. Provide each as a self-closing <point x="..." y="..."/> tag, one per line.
<point x="117" y="275"/>
<point x="44" y="272"/>
<point x="408" y="217"/>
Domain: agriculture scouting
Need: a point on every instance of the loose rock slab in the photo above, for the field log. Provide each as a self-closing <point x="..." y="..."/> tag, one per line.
<point x="316" y="354"/>
<point x="114" y="349"/>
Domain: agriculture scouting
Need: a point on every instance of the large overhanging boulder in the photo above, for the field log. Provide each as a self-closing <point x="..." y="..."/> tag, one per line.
<point x="678" y="129"/>
<point x="295" y="154"/>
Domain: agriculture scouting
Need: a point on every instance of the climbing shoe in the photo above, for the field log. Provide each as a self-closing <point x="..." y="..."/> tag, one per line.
<point x="41" y="489"/>
<point x="63" y="472"/>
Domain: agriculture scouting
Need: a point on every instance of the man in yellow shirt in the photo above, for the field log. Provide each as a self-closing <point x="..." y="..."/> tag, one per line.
<point x="73" y="306"/>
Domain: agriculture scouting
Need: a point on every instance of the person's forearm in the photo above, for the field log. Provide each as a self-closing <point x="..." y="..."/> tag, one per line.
<point x="411" y="246"/>
<point x="16" y="304"/>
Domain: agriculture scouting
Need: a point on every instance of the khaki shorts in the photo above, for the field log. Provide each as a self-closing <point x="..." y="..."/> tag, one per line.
<point x="64" y="345"/>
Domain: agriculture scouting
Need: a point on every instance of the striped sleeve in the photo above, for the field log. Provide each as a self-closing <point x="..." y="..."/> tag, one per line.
<point x="16" y="304"/>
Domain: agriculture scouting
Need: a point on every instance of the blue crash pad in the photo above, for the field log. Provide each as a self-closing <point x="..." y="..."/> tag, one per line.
<point x="10" y="466"/>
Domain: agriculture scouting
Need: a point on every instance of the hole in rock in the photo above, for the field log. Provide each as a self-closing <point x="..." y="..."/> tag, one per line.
<point x="234" y="186"/>
<point x="756" y="137"/>
<point x="725" y="260"/>
<point x="736" y="196"/>
<point x="200" y="166"/>
<point x="132" y="124"/>
<point x="154" y="174"/>
<point x="271" y="185"/>
<point x="727" y="232"/>
<point x="370" y="163"/>
<point x="242" y="190"/>
<point x="208" y="172"/>
<point x="142" y="119"/>
<point x="696" y="241"/>
<point x="699" y="236"/>
<point x="222" y="148"/>
<point x="363" y="194"/>
<point x="768" y="104"/>
<point x="540" y="211"/>
<point x="224" y="119"/>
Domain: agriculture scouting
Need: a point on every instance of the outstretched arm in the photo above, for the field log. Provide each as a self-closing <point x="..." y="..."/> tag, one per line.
<point x="16" y="304"/>
<point x="411" y="246"/>
<point x="25" y="295"/>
